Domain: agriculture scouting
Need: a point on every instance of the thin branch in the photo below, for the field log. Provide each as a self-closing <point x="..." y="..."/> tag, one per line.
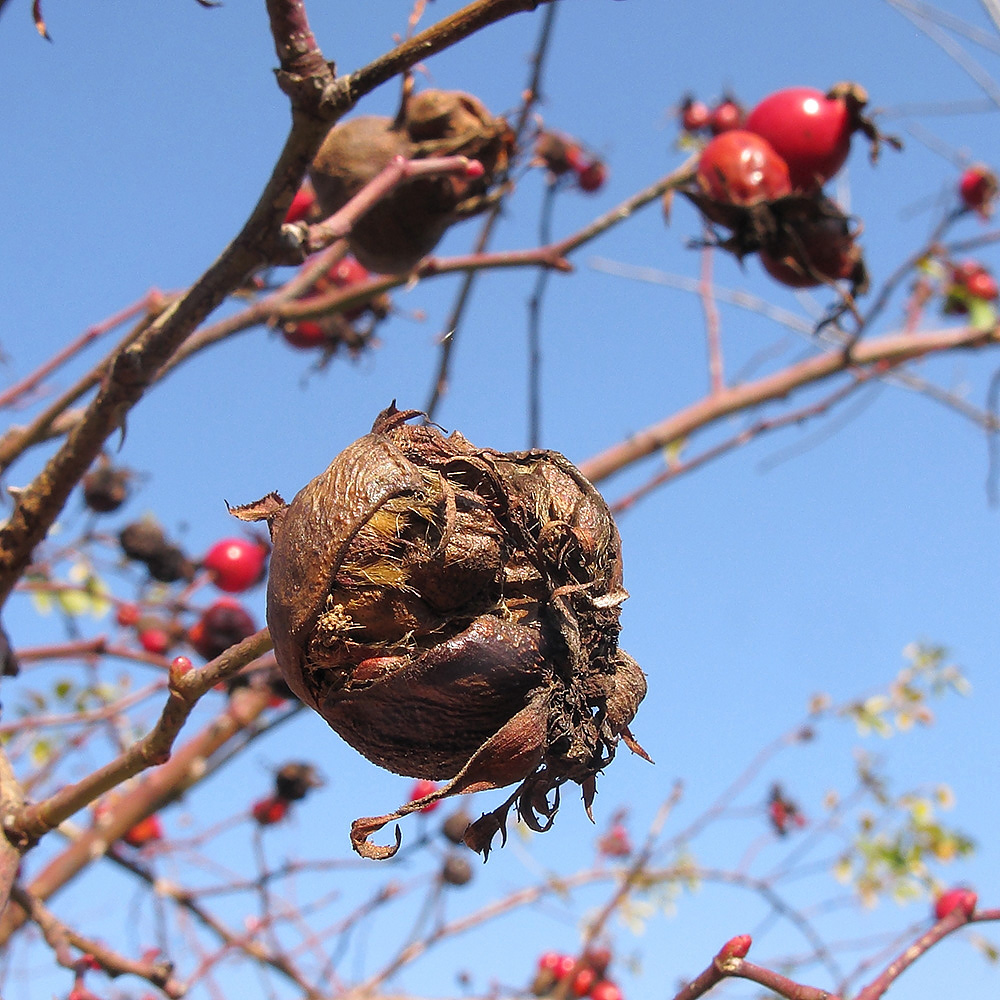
<point x="59" y="936"/>
<point x="154" y="748"/>
<point x="893" y="348"/>
<point x="151" y="302"/>
<point x="318" y="100"/>
<point x="532" y="95"/>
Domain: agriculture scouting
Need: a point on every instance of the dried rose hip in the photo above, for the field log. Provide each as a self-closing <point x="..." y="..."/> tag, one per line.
<point x="407" y="224"/>
<point x="814" y="244"/>
<point x="452" y="612"/>
<point x="106" y="488"/>
<point x="221" y="625"/>
<point x="294" y="781"/>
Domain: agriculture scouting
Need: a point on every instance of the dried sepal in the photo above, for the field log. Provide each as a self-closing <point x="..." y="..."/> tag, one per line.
<point x="452" y="612"/>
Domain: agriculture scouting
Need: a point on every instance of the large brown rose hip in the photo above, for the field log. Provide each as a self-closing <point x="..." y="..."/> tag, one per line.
<point x="452" y="612"/>
<point x="399" y="230"/>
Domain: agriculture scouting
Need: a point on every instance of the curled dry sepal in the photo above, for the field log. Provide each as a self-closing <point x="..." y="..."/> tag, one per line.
<point x="452" y="612"/>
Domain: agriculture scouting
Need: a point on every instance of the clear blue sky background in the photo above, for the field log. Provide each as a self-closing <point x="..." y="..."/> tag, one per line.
<point x="135" y="146"/>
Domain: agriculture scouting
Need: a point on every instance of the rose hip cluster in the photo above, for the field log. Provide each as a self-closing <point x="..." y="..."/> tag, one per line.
<point x="762" y="178"/>
<point x="351" y="326"/>
<point x="233" y="565"/>
<point x="586" y="976"/>
<point x="564" y="157"/>
<point x="697" y="118"/>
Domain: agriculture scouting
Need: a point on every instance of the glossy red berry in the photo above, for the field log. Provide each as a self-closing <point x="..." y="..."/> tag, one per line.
<point x="422" y="787"/>
<point x="955" y="899"/>
<point x="236" y="564"/>
<point x="741" y="168"/>
<point x="347" y="272"/>
<point x="978" y="188"/>
<point x="154" y="640"/>
<point x="592" y="177"/>
<point x="146" y="831"/>
<point x="180" y="665"/>
<point x="694" y="115"/>
<point x="556" y="963"/>
<point x="270" y="810"/>
<point x="808" y="129"/>
<point x="725" y="116"/>
<point x="605" y="990"/>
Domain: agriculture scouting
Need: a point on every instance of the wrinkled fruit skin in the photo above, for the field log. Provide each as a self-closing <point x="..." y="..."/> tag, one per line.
<point x="814" y="244"/>
<point x="452" y="612"/>
<point x="405" y="226"/>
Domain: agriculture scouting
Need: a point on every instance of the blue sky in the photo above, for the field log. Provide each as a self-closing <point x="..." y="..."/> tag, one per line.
<point x="138" y="141"/>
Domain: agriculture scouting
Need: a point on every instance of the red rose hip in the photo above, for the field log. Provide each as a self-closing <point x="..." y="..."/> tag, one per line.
<point x="810" y="130"/>
<point x="741" y="168"/>
<point x="955" y="899"/>
<point x="236" y="564"/>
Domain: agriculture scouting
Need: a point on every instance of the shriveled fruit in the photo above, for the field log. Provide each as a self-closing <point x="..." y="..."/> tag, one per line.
<point x="220" y="626"/>
<point x="452" y="612"/>
<point x="145" y="542"/>
<point x="106" y="487"/>
<point x="558" y="153"/>
<point x="813" y="244"/>
<point x="407" y="224"/>
<point x="455" y="825"/>
<point x="294" y="781"/>
<point x="456" y="870"/>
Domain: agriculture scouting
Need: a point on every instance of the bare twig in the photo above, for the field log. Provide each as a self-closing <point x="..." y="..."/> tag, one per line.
<point x="59" y="937"/>
<point x="893" y="348"/>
